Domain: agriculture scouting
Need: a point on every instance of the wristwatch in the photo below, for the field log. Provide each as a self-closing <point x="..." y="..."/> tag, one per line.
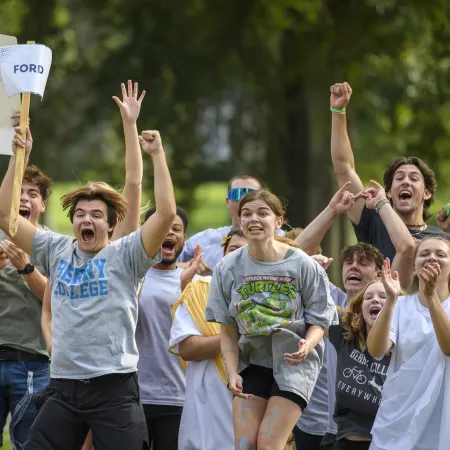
<point x="29" y="268"/>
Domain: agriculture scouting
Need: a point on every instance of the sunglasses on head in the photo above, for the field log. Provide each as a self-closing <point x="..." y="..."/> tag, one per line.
<point x="237" y="193"/>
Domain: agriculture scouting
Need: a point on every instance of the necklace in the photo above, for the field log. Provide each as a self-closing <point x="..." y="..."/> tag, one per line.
<point x="420" y="225"/>
<point x="416" y="232"/>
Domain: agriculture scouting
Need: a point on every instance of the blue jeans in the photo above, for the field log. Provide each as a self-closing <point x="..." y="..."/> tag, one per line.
<point x="19" y="381"/>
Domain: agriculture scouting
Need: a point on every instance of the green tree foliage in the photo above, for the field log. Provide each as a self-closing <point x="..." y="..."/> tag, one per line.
<point x="241" y="85"/>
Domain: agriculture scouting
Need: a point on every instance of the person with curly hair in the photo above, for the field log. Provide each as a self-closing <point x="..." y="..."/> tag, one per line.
<point x="359" y="377"/>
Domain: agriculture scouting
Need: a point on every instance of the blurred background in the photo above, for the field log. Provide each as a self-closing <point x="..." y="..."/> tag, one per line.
<point x="239" y="85"/>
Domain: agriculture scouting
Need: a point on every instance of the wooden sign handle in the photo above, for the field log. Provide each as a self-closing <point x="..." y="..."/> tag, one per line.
<point x="19" y="167"/>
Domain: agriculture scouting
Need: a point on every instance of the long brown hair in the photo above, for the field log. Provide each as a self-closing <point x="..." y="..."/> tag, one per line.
<point x="353" y="320"/>
<point x="271" y="200"/>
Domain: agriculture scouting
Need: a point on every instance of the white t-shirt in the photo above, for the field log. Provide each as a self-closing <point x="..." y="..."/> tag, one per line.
<point x="415" y="409"/>
<point x="206" y="422"/>
<point x="161" y="376"/>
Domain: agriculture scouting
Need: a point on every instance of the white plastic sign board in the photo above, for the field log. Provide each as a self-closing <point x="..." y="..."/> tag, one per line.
<point x="8" y="105"/>
<point x="25" y="68"/>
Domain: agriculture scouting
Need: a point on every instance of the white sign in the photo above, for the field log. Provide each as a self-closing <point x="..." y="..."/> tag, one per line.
<point x="25" y="68"/>
<point x="8" y="106"/>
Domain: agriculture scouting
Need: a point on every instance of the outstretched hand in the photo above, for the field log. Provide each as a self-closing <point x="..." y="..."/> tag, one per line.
<point x="130" y="106"/>
<point x="429" y="275"/>
<point x="340" y="95"/>
<point x="151" y="142"/>
<point x="390" y="280"/>
<point x="374" y="195"/>
<point x="344" y="200"/>
<point x="293" y="359"/>
<point x="324" y="261"/>
<point x="196" y="267"/>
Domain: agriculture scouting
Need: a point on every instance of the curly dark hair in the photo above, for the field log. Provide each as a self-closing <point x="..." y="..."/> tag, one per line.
<point x="366" y="252"/>
<point x="35" y="175"/>
<point x="428" y="176"/>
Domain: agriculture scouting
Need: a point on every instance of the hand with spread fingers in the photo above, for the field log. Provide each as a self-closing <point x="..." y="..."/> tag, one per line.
<point x="130" y="105"/>
<point x="344" y="200"/>
<point x="17" y="256"/>
<point x="193" y="268"/>
<point x="340" y="95"/>
<point x="324" y="261"/>
<point x="235" y="385"/>
<point x="293" y="359"/>
<point x="390" y="281"/>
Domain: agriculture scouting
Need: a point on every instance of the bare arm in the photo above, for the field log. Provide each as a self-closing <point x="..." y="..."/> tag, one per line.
<point x="378" y="341"/>
<point x="400" y="236"/>
<point x="314" y="334"/>
<point x="341" y="150"/>
<point x="157" y="226"/>
<point x="129" y="110"/>
<point x="25" y="233"/>
<point x="198" y="348"/>
<point x="311" y="237"/>
<point x="46" y="318"/>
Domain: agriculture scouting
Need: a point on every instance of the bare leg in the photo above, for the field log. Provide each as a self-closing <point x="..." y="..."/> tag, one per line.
<point x="88" y="442"/>
<point x="247" y="417"/>
<point x="278" y="422"/>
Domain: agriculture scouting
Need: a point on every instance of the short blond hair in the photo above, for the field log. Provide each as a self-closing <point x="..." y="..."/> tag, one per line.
<point x="116" y="204"/>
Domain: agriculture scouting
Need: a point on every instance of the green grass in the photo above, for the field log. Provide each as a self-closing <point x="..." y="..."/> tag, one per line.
<point x="210" y="211"/>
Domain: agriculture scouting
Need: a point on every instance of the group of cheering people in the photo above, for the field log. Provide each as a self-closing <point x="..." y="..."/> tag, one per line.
<point x="130" y="337"/>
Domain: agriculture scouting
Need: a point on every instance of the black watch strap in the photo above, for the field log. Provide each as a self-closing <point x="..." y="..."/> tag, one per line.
<point x="29" y="268"/>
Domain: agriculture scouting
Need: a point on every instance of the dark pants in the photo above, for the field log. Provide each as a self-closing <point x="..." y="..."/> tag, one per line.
<point x="345" y="444"/>
<point x="328" y="442"/>
<point x="306" y="441"/>
<point x="19" y="382"/>
<point x="108" y="405"/>
<point x="163" y="424"/>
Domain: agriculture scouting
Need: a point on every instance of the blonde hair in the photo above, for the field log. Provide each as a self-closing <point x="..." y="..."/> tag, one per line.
<point x="116" y="204"/>
<point x="415" y="283"/>
<point x="353" y="320"/>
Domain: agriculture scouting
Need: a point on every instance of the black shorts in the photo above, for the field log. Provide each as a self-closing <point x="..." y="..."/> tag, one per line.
<point x="259" y="380"/>
<point x="108" y="405"/>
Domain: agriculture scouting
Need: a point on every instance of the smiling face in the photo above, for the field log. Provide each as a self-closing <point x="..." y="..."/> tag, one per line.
<point x="173" y="243"/>
<point x="408" y="189"/>
<point x="357" y="272"/>
<point x="90" y="225"/>
<point x="373" y="300"/>
<point x="258" y="221"/>
<point x="31" y="202"/>
<point x="433" y="252"/>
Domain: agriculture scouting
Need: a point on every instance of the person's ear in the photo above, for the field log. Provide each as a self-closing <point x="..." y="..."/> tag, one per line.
<point x="279" y="223"/>
<point x="427" y="195"/>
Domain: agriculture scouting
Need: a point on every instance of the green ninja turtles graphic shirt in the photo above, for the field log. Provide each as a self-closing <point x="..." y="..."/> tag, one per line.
<point x="272" y="303"/>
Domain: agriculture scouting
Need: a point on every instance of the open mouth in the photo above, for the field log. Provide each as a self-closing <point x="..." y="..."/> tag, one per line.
<point x="354" y="278"/>
<point x="255" y="229"/>
<point x="374" y="310"/>
<point x="405" y="195"/>
<point x="24" y="212"/>
<point x="87" y="235"/>
<point x="168" y="246"/>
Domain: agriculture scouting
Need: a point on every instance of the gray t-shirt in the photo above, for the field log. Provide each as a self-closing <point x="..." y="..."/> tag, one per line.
<point x="20" y="312"/>
<point x="94" y="303"/>
<point x="317" y="418"/>
<point x="161" y="377"/>
<point x="271" y="303"/>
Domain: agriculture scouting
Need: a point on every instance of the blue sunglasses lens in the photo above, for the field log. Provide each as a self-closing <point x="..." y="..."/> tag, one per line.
<point x="237" y="193"/>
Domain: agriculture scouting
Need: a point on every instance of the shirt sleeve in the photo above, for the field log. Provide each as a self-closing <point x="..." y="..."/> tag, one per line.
<point x="393" y="333"/>
<point x="45" y="243"/>
<point x="218" y="299"/>
<point x="336" y="333"/>
<point x="314" y="287"/>
<point x="134" y="254"/>
<point x="182" y="327"/>
<point x="338" y="296"/>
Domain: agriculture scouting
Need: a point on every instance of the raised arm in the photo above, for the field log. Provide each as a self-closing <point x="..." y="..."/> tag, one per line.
<point x="311" y="237"/>
<point x="46" y="318"/>
<point x="26" y="230"/>
<point x="130" y="107"/>
<point x="378" y="341"/>
<point x="400" y="236"/>
<point x="341" y="150"/>
<point x="157" y="226"/>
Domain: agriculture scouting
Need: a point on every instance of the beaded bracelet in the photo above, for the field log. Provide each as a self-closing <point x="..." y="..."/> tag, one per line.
<point x="338" y="111"/>
<point x="380" y="204"/>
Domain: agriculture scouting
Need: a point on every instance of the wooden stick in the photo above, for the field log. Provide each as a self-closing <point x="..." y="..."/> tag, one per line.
<point x="20" y="159"/>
